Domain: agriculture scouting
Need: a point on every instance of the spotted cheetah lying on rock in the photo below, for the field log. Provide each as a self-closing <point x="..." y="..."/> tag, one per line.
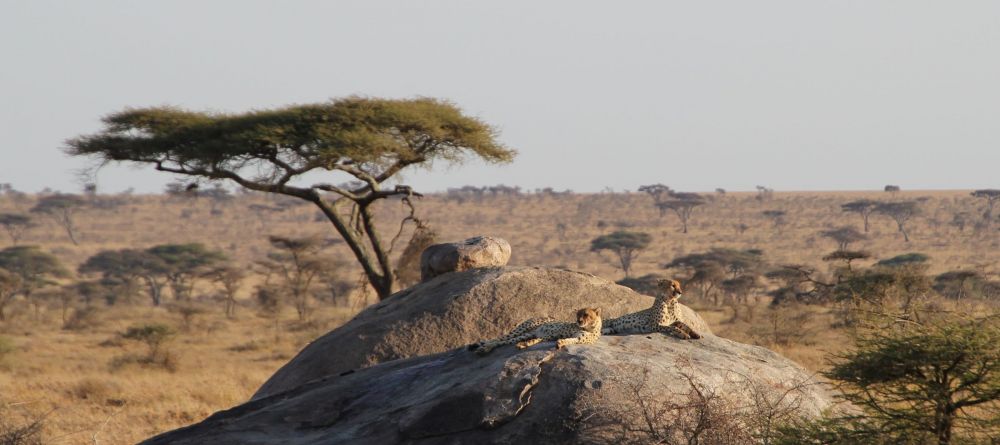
<point x="587" y="329"/>
<point x="661" y="317"/>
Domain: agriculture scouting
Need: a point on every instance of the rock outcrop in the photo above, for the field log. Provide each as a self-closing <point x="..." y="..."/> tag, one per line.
<point x="400" y="373"/>
<point x="477" y="252"/>
<point x="452" y="311"/>
<point x="602" y="393"/>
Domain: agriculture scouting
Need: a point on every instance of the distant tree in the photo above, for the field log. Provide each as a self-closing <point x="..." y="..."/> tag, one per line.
<point x="121" y="270"/>
<point x="625" y="245"/>
<point x="645" y="284"/>
<point x="231" y="279"/>
<point x="368" y="139"/>
<point x="741" y="228"/>
<point x="863" y="207"/>
<point x="658" y="192"/>
<point x="777" y="217"/>
<point x="901" y="212"/>
<point x="182" y="189"/>
<point x="183" y="264"/>
<point x="960" y="220"/>
<point x="296" y="262"/>
<point x="720" y="191"/>
<point x="35" y="269"/>
<point x="61" y="208"/>
<point x="892" y="189"/>
<point x="707" y="270"/>
<point x="764" y="193"/>
<point x="847" y="256"/>
<point x="904" y="260"/>
<point x="16" y="225"/>
<point x="844" y="236"/>
<point x="739" y="289"/>
<point x="682" y="204"/>
<point x="154" y="336"/>
<point x="957" y="284"/>
<point x="991" y="196"/>
<point x="217" y="196"/>
<point x="10" y="284"/>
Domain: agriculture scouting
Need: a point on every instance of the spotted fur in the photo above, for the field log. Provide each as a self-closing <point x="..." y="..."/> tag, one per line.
<point x="587" y="329"/>
<point x="661" y="317"/>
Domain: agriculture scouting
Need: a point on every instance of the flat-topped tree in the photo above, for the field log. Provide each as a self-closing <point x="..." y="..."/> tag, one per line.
<point x="123" y="269"/>
<point x="863" y="207"/>
<point x="658" y="192"/>
<point x="844" y="236"/>
<point x="16" y="224"/>
<point x="625" y="245"/>
<point x="682" y="204"/>
<point x="901" y="212"/>
<point x="34" y="269"/>
<point x="182" y="264"/>
<point x="367" y="140"/>
<point x="991" y="196"/>
<point x="61" y="208"/>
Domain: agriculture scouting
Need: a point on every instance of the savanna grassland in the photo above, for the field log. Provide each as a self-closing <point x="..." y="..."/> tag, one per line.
<point x="70" y="367"/>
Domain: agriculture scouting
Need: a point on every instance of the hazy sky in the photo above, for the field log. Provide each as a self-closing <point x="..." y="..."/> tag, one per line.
<point x="794" y="95"/>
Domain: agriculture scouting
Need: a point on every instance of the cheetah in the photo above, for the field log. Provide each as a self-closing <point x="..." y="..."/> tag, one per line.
<point x="661" y="317"/>
<point x="586" y="330"/>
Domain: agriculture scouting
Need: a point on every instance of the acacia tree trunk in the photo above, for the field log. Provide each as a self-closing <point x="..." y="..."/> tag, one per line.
<point x="155" y="289"/>
<point x="625" y="257"/>
<point x="66" y="220"/>
<point x="363" y="241"/>
<point x="906" y="237"/>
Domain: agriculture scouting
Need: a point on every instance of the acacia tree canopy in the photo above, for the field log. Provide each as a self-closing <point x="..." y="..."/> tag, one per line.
<point x="625" y="245"/>
<point x="367" y="139"/>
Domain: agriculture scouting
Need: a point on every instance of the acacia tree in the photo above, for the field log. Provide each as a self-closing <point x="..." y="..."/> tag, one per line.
<point x="34" y="268"/>
<point x="863" y="207"/>
<point x="15" y="224"/>
<point x="231" y="279"/>
<point x="297" y="263"/>
<point x="61" y="208"/>
<point x="625" y="245"/>
<point x="844" y="236"/>
<point x="10" y="283"/>
<point x="682" y="204"/>
<point x="659" y="192"/>
<point x="901" y="212"/>
<point x="122" y="269"/>
<point x="777" y="217"/>
<point x="991" y="196"/>
<point x="182" y="264"/>
<point x="923" y="379"/>
<point x="708" y="270"/>
<point x="364" y="139"/>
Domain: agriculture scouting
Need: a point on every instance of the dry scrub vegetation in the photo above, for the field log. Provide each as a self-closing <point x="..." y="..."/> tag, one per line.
<point x="72" y="372"/>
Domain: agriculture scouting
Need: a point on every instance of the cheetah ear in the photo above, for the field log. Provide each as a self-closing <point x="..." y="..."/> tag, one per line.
<point x="598" y="310"/>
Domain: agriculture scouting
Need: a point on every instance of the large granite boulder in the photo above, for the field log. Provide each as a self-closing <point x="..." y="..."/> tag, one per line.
<point x="477" y="252"/>
<point x="454" y="310"/>
<point x="623" y="389"/>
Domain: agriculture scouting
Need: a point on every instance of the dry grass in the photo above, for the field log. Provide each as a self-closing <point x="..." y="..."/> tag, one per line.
<point x="67" y="378"/>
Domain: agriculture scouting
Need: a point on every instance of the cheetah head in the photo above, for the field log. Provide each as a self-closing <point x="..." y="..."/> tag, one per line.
<point x="589" y="318"/>
<point x="670" y="288"/>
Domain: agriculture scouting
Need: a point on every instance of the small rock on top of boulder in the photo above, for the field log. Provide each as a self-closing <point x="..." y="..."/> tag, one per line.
<point x="477" y="252"/>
